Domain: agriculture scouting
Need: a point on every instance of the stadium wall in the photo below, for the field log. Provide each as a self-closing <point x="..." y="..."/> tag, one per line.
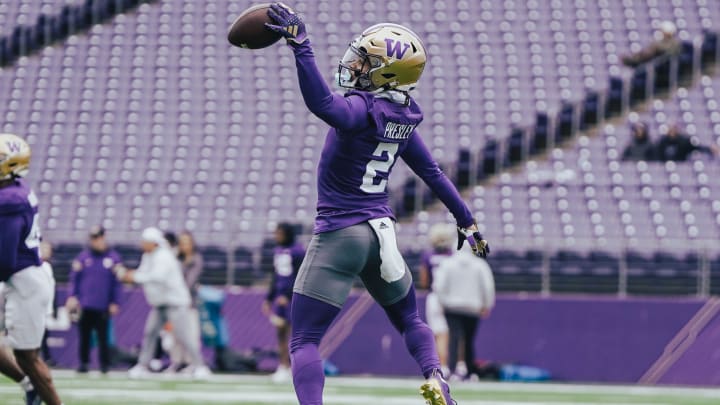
<point x="577" y="338"/>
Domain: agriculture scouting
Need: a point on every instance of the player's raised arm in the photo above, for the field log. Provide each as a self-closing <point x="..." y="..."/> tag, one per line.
<point x="340" y="112"/>
<point x="418" y="157"/>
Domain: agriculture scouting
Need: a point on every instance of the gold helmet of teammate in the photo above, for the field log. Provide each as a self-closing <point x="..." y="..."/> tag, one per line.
<point x="384" y="57"/>
<point x="14" y="156"/>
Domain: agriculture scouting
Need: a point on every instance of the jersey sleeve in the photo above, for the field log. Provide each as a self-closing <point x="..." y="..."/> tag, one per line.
<point x="347" y="113"/>
<point x="155" y="272"/>
<point x="418" y="157"/>
<point x="10" y="238"/>
<point x="272" y="291"/>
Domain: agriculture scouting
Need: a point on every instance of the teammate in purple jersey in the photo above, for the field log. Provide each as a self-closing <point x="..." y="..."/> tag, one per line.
<point x="441" y="238"/>
<point x="29" y="288"/>
<point x="371" y="126"/>
<point x="287" y="258"/>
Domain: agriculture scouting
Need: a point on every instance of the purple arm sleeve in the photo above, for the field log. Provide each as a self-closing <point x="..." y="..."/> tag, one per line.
<point x="418" y="157"/>
<point x="10" y="241"/>
<point x="344" y="113"/>
<point x="272" y="291"/>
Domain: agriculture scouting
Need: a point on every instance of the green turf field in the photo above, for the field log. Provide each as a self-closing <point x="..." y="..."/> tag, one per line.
<point x="116" y="389"/>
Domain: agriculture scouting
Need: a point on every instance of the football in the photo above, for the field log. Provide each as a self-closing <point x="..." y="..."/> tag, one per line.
<point x="249" y="31"/>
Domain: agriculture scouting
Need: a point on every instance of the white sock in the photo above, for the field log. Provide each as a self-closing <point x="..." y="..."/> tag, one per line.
<point x="26" y="384"/>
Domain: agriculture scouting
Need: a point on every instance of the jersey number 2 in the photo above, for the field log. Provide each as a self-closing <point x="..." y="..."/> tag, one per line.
<point x="375" y="166"/>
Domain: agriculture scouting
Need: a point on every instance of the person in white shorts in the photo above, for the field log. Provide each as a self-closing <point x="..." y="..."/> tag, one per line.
<point x="28" y="288"/>
<point x="442" y="236"/>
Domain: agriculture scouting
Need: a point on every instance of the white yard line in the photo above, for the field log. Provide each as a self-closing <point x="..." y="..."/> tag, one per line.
<point x="254" y="382"/>
<point x="536" y="387"/>
<point x="168" y="397"/>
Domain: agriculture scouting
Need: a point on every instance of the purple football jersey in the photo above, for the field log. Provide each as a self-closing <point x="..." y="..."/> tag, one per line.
<point x="368" y="133"/>
<point x="431" y="259"/>
<point x="19" y="229"/>
<point x="286" y="264"/>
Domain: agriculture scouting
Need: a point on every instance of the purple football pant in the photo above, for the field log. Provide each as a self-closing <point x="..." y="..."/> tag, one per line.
<point x="311" y="318"/>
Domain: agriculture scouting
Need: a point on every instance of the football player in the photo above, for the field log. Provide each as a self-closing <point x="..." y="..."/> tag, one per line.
<point x="287" y="257"/>
<point x="29" y="288"/>
<point x="441" y="238"/>
<point x="371" y="126"/>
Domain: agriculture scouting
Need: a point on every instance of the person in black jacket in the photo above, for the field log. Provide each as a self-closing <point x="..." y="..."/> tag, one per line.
<point x="677" y="146"/>
<point x="640" y="147"/>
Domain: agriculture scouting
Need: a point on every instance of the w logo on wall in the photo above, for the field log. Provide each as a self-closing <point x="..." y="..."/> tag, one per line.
<point x="396" y="48"/>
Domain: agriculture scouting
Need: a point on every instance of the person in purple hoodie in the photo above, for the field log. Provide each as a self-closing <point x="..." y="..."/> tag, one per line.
<point x="371" y="125"/>
<point x="287" y="258"/>
<point x="95" y="291"/>
<point x="28" y="288"/>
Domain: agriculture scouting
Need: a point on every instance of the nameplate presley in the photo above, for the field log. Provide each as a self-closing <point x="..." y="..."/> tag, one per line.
<point x="393" y="130"/>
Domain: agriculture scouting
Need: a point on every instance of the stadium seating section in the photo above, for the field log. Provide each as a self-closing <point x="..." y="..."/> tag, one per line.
<point x="141" y="113"/>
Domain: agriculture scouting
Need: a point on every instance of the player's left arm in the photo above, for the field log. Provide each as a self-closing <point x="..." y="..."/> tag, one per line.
<point x="10" y="240"/>
<point x="418" y="157"/>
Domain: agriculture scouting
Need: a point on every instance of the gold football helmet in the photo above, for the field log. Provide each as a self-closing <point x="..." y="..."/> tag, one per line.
<point x="14" y="156"/>
<point x="384" y="57"/>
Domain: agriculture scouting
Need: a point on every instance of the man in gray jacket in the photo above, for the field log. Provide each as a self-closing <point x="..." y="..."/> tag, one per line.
<point x="161" y="277"/>
<point x="465" y="287"/>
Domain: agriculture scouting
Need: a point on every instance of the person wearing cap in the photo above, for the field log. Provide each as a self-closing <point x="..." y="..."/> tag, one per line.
<point x="160" y="274"/>
<point x="640" y="146"/>
<point x="666" y="43"/>
<point x="94" y="293"/>
<point x="465" y="287"/>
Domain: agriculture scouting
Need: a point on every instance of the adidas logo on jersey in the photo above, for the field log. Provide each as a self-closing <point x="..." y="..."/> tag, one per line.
<point x="383" y="225"/>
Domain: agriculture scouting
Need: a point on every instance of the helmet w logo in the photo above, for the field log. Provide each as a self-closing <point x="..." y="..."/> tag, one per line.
<point x="14" y="147"/>
<point x="396" y="47"/>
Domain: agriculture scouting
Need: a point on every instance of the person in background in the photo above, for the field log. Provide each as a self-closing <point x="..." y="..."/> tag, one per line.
<point x="192" y="267"/>
<point x="466" y="290"/>
<point x="156" y="364"/>
<point x="161" y="277"/>
<point x="677" y="146"/>
<point x="287" y="258"/>
<point x="640" y="146"/>
<point x="27" y="288"/>
<point x="667" y="43"/>
<point x="46" y="252"/>
<point x="95" y="292"/>
<point x="441" y="238"/>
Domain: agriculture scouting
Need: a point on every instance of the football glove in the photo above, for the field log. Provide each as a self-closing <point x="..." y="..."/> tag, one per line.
<point x="287" y="23"/>
<point x="479" y="246"/>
